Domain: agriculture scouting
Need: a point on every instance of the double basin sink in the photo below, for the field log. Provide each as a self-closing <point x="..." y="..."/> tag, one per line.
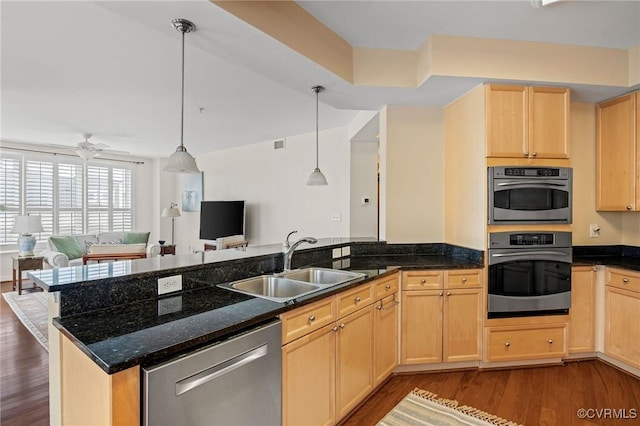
<point x="289" y="285"/>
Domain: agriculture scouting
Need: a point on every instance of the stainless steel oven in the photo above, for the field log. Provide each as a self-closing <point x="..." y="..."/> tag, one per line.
<point x="529" y="273"/>
<point x="523" y="195"/>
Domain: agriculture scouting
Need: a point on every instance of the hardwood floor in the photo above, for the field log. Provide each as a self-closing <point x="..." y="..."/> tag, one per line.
<point x="24" y="372"/>
<point x="530" y="396"/>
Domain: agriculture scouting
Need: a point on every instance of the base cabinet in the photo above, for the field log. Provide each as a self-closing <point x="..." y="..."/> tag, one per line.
<point x="622" y="308"/>
<point x="582" y="315"/>
<point x="328" y="371"/>
<point x="445" y="324"/>
<point x="523" y="342"/>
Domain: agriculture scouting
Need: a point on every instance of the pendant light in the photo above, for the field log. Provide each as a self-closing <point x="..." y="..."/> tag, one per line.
<point x="317" y="178"/>
<point x="181" y="161"/>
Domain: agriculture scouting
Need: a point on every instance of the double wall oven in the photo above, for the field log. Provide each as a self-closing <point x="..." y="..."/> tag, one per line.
<point x="529" y="273"/>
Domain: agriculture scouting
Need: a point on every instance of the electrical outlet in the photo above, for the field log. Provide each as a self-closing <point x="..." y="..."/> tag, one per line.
<point x="169" y="284"/>
<point x="336" y="253"/>
<point x="346" y="251"/>
<point x="594" y="230"/>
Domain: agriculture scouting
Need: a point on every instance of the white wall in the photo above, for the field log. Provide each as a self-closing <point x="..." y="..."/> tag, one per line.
<point x="364" y="183"/>
<point x="273" y="184"/>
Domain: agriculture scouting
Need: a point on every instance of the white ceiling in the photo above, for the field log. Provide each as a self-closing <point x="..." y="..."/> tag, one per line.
<point x="112" y="68"/>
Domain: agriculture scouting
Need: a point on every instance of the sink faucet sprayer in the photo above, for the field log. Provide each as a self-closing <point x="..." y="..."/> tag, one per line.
<point x="288" y="248"/>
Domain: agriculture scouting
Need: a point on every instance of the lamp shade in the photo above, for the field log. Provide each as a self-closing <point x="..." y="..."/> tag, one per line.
<point x="27" y="225"/>
<point x="316" y="178"/>
<point x="181" y="162"/>
<point x="170" y="212"/>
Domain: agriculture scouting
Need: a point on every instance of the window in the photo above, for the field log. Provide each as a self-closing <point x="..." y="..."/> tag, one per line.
<point x="72" y="197"/>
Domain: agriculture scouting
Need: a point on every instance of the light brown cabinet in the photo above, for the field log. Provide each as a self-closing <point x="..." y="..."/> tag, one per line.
<point x="527" y="122"/>
<point x="441" y="324"/>
<point x="524" y="342"/>
<point x="582" y="314"/>
<point x="622" y="310"/>
<point x="336" y="350"/>
<point x="618" y="154"/>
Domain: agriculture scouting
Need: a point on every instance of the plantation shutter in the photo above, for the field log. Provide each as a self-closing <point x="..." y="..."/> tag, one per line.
<point x="70" y="194"/>
<point x="97" y="199"/>
<point x="122" y="215"/>
<point x="39" y="194"/>
<point x="9" y="197"/>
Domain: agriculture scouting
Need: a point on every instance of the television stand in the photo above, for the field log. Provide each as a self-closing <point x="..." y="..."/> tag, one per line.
<point x="237" y="244"/>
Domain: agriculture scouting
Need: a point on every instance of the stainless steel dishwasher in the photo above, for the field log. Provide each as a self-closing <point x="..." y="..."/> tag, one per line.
<point x="235" y="382"/>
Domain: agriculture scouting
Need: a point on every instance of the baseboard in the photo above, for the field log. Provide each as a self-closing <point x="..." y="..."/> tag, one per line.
<point x="436" y="368"/>
<point x="619" y="365"/>
<point x="501" y="365"/>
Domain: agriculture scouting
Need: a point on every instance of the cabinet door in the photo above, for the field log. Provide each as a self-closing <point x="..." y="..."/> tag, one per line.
<point x="385" y="337"/>
<point x="354" y="359"/>
<point x="462" y="332"/>
<point x="308" y="379"/>
<point x="616" y="155"/>
<point x="421" y="330"/>
<point x="582" y="314"/>
<point x="622" y="328"/>
<point x="548" y="122"/>
<point x="506" y="113"/>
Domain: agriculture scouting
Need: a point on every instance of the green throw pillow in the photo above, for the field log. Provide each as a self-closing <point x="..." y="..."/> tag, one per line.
<point x="136" y="238"/>
<point x="69" y="246"/>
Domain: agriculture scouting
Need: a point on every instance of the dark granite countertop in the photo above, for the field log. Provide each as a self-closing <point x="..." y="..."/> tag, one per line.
<point x="618" y="261"/>
<point x="157" y="329"/>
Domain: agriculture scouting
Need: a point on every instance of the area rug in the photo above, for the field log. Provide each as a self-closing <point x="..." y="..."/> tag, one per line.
<point x="31" y="309"/>
<point x="421" y="407"/>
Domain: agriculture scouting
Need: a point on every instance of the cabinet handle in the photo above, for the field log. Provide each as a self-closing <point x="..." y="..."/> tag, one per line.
<point x="379" y="307"/>
<point x="595" y="269"/>
<point x="387" y="287"/>
<point x="448" y="294"/>
<point x="422" y="281"/>
<point x="464" y="279"/>
<point x="357" y="299"/>
<point x="341" y="325"/>
<point x="507" y="344"/>
<point x="550" y="341"/>
<point x="535" y="154"/>
<point x="334" y="329"/>
<point x="629" y="207"/>
<point x="526" y="153"/>
<point x="312" y="318"/>
<point x="625" y="280"/>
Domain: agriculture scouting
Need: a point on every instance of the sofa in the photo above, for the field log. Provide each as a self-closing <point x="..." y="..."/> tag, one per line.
<point x="68" y="250"/>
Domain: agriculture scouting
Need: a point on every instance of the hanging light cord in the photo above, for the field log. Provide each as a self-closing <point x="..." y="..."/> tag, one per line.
<point x="317" y="90"/>
<point x="183" y="30"/>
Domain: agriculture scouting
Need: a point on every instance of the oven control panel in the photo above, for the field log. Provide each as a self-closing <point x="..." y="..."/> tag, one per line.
<point x="531" y="239"/>
<point x="515" y="240"/>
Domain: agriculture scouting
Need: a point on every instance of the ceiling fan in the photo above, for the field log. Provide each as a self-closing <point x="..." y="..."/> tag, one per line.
<point x="88" y="150"/>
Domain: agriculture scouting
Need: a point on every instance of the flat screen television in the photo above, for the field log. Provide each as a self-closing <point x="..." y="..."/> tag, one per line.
<point x="221" y="219"/>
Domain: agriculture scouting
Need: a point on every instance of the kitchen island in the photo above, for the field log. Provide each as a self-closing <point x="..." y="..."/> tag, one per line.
<point x="111" y="314"/>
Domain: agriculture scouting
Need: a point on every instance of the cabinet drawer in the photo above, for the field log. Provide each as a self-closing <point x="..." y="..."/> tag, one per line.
<point x="510" y="344"/>
<point x="464" y="278"/>
<point x="354" y="299"/>
<point x="308" y="318"/>
<point x="623" y="278"/>
<point x="385" y="287"/>
<point x="422" y="280"/>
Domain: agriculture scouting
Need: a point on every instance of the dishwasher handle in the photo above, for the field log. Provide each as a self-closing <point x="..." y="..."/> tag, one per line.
<point x="221" y="369"/>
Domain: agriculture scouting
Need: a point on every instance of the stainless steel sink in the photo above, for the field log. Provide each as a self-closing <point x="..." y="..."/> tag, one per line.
<point x="322" y="276"/>
<point x="272" y="287"/>
<point x="291" y="284"/>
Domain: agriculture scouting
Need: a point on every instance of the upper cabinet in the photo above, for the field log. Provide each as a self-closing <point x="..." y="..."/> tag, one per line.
<point x="527" y="122"/>
<point x="618" y="154"/>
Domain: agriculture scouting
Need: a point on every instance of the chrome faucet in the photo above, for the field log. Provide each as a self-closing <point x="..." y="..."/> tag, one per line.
<point x="288" y="248"/>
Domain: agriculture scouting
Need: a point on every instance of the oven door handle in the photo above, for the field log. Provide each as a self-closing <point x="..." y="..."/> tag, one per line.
<point x="532" y="182"/>
<point x="529" y="253"/>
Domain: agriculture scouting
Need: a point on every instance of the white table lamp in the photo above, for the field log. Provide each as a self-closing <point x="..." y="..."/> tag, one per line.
<point x="171" y="212"/>
<point x="25" y="226"/>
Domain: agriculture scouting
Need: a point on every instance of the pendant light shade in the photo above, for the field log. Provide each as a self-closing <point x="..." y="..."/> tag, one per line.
<point x="181" y="161"/>
<point x="317" y="178"/>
